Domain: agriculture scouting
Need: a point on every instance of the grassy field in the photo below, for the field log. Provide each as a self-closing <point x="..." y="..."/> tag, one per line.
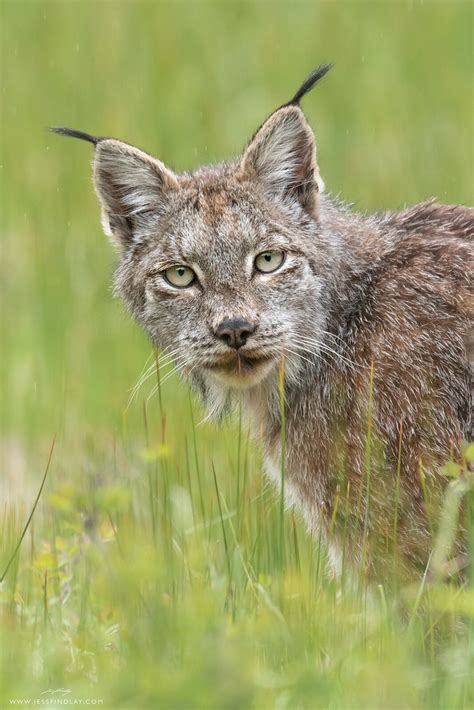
<point x="152" y="574"/>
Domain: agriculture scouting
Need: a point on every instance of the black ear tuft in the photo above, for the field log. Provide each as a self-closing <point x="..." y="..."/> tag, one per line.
<point x="72" y="133"/>
<point x="309" y="83"/>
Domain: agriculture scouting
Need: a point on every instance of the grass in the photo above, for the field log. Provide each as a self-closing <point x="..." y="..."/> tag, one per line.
<point x="159" y="569"/>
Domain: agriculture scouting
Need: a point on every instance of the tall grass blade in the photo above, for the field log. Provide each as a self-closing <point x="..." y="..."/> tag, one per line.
<point x="282" y="460"/>
<point x="30" y="517"/>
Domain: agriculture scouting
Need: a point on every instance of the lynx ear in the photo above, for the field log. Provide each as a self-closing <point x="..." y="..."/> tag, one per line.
<point x="131" y="185"/>
<point x="282" y="157"/>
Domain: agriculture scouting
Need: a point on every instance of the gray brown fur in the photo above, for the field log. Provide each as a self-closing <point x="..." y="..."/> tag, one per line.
<point x="387" y="298"/>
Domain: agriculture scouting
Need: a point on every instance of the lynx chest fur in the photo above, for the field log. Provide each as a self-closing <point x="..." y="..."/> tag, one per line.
<point x="255" y="281"/>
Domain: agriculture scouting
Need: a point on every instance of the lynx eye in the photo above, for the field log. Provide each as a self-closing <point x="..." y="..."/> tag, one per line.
<point x="269" y="261"/>
<point x="179" y="276"/>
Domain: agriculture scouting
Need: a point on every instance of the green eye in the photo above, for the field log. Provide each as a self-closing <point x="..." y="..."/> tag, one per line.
<point x="269" y="261"/>
<point x="180" y="276"/>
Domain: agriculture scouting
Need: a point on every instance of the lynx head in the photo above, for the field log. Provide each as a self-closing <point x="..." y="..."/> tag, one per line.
<point x="224" y="267"/>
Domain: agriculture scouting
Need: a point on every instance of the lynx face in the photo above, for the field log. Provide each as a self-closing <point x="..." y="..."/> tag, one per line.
<point x="226" y="280"/>
<point x="224" y="268"/>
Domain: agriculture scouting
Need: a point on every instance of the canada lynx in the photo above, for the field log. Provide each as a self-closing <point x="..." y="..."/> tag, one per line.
<point x="246" y="268"/>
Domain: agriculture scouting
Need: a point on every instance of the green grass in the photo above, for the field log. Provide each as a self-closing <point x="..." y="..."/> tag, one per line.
<point x="159" y="569"/>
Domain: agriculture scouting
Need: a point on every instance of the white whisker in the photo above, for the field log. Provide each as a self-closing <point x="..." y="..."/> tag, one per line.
<point x="324" y="347"/>
<point x="162" y="361"/>
<point x="180" y="364"/>
<point x="304" y="348"/>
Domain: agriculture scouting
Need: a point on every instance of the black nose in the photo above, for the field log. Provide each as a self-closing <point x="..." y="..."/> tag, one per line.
<point x="235" y="331"/>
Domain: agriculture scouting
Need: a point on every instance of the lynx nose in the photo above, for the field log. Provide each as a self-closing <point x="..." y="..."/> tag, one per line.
<point x="235" y="331"/>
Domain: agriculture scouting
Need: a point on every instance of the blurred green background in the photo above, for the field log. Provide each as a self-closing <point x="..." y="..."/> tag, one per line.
<point x="189" y="82"/>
